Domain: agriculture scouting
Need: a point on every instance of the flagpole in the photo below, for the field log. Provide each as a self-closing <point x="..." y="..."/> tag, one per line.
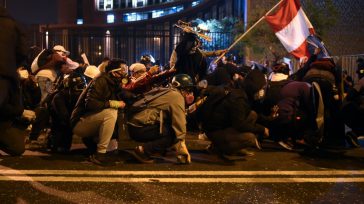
<point x="246" y="32"/>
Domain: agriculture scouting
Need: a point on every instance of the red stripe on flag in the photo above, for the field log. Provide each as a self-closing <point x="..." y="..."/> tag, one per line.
<point x="301" y="51"/>
<point x="284" y="15"/>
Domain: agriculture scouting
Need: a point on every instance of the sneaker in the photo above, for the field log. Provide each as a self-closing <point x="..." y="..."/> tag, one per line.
<point x="257" y="144"/>
<point x="286" y="145"/>
<point x="101" y="159"/>
<point x="141" y="156"/>
<point x="244" y="152"/>
<point x="352" y="139"/>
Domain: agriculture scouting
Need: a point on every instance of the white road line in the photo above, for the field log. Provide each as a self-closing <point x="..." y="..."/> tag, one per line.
<point x="182" y="173"/>
<point x="179" y="180"/>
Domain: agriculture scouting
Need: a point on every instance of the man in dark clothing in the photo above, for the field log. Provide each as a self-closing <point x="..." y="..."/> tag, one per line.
<point x="14" y="52"/>
<point x="188" y="58"/>
<point x="353" y="109"/>
<point x="227" y="117"/>
<point x="60" y="110"/>
<point x="295" y="114"/>
<point x="96" y="111"/>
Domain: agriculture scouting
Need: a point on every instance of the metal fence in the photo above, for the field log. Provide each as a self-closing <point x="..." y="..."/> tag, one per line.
<point x="128" y="44"/>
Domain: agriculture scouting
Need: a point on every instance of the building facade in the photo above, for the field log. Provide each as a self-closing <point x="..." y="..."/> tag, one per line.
<point x="129" y="29"/>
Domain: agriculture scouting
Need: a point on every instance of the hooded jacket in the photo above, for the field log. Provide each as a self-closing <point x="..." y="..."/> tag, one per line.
<point x="225" y="108"/>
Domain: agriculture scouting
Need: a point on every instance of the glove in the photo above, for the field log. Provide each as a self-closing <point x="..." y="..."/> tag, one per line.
<point x="116" y="104"/>
<point x="183" y="156"/>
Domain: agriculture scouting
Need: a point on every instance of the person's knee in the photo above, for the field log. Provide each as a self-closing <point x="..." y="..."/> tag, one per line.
<point x="16" y="151"/>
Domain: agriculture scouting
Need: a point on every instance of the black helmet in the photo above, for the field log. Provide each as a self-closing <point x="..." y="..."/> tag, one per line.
<point x="182" y="81"/>
<point x="146" y="59"/>
<point x="281" y="68"/>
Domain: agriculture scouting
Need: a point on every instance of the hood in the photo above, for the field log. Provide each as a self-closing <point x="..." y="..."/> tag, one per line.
<point x="253" y="82"/>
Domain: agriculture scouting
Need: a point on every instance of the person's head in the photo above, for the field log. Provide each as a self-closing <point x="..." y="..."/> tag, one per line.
<point x="137" y="69"/>
<point x="183" y="82"/>
<point x="282" y="68"/>
<point x="117" y="68"/>
<point x="255" y="84"/>
<point x="61" y="50"/>
<point x="360" y="69"/>
<point x="147" y="60"/>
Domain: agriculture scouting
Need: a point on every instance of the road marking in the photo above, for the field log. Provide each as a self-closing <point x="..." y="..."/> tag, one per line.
<point x="182" y="173"/>
<point x="179" y="180"/>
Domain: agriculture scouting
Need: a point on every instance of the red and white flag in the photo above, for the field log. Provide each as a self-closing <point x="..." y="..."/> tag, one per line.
<point x="292" y="27"/>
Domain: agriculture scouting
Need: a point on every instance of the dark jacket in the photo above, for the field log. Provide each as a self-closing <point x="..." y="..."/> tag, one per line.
<point x="12" y="54"/>
<point x="192" y="63"/>
<point x="12" y="42"/>
<point x="96" y="97"/>
<point x="226" y="108"/>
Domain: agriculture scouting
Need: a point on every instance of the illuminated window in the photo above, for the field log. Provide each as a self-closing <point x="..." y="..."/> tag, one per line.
<point x="79" y="21"/>
<point x="108" y="5"/>
<point x="195" y="3"/>
<point x="157" y="13"/>
<point x="110" y="18"/>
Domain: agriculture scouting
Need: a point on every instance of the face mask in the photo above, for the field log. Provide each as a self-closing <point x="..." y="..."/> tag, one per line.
<point x="189" y="98"/>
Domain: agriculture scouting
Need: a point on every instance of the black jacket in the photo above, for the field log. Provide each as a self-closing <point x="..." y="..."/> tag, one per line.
<point x="12" y="42"/>
<point x="96" y="97"/>
<point x="226" y="108"/>
<point x="12" y="54"/>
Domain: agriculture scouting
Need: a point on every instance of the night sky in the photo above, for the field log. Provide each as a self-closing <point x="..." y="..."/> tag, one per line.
<point x="33" y="11"/>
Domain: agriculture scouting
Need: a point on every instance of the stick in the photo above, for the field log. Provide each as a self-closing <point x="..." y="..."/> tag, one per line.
<point x="246" y="32"/>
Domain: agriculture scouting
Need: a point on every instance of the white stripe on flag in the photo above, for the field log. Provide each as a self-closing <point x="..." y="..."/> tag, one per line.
<point x="295" y="33"/>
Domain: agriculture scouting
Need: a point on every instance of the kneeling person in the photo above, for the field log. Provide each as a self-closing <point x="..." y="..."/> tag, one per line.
<point x="159" y="120"/>
<point x="96" y="111"/>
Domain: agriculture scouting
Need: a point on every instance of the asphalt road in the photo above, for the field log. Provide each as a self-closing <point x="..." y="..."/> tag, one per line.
<point x="271" y="176"/>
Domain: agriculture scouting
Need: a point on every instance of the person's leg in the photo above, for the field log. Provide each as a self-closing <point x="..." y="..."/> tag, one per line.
<point x="99" y="127"/>
<point x="106" y="130"/>
<point x="11" y="139"/>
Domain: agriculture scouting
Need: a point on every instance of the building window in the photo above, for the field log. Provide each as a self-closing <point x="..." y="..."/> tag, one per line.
<point x="110" y="18"/>
<point x="79" y="21"/>
<point x="195" y="3"/>
<point x="108" y="5"/>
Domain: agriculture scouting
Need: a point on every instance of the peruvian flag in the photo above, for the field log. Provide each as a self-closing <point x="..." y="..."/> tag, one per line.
<point x="292" y="27"/>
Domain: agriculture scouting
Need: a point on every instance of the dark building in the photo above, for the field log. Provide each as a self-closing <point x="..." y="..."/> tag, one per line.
<point x="129" y="28"/>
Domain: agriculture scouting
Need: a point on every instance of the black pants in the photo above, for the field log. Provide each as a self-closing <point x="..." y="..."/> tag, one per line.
<point x="41" y="122"/>
<point x="230" y="141"/>
<point x="150" y="135"/>
<point x="11" y="139"/>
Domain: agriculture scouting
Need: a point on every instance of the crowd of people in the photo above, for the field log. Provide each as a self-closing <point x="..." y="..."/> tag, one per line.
<point x="236" y="107"/>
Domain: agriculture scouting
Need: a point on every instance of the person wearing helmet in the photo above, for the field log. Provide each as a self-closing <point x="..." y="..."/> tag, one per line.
<point x="158" y="119"/>
<point x="95" y="114"/>
<point x="228" y="119"/>
<point x="147" y="60"/>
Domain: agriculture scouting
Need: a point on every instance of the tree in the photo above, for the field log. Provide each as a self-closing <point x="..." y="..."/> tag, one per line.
<point x="262" y="44"/>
